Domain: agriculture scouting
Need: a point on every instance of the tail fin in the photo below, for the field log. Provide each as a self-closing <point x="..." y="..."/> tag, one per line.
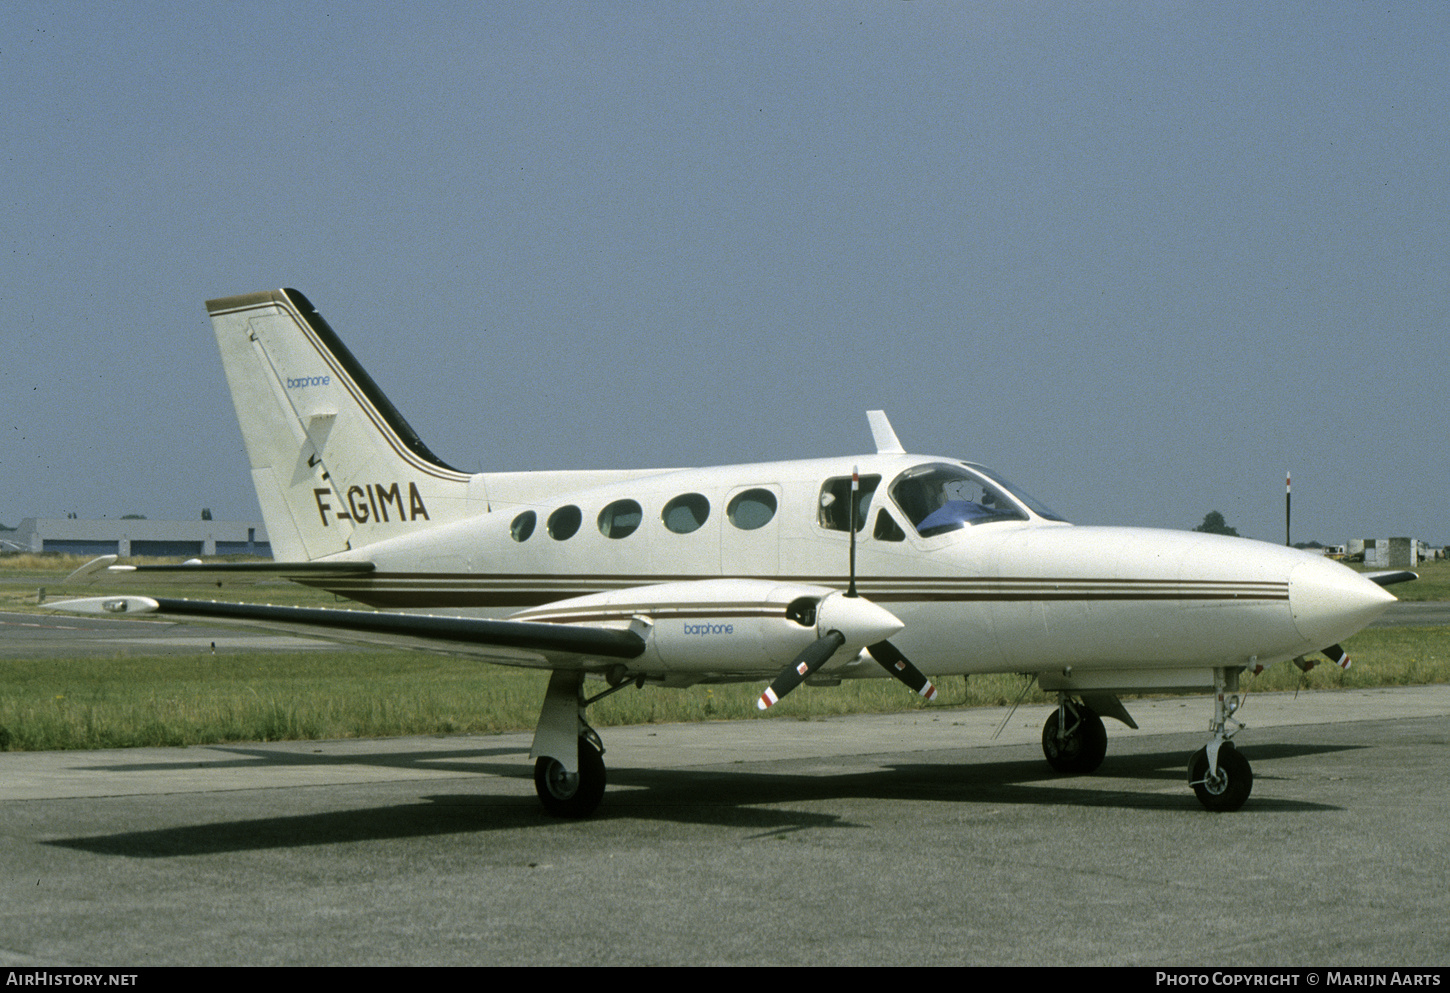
<point x="334" y="463"/>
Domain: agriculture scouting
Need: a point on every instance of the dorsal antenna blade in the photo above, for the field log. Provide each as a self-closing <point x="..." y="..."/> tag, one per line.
<point x="886" y="441"/>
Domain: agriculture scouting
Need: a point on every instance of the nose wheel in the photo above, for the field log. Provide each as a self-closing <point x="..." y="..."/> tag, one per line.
<point x="1228" y="786"/>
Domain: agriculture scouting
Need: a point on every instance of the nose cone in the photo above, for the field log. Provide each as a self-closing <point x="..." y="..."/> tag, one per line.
<point x="1330" y="602"/>
<point x="860" y="620"/>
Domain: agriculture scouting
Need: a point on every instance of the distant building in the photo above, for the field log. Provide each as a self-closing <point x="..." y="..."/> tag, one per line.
<point x="1391" y="553"/>
<point x="137" y="536"/>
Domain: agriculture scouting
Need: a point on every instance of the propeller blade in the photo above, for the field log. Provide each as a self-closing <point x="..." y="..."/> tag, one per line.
<point x="900" y="666"/>
<point x="811" y="658"/>
<point x="1390" y="578"/>
<point x="1337" y="655"/>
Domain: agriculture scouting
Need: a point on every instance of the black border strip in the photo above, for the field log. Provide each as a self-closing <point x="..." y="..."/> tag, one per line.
<point x="359" y="375"/>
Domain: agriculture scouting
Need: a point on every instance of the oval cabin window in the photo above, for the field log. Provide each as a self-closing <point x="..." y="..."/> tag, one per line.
<point x="564" y="522"/>
<point x="523" y="526"/>
<point x="686" y="513"/>
<point x="620" y="519"/>
<point x="751" y="509"/>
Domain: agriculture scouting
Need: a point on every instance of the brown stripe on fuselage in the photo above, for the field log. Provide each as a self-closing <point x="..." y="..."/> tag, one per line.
<point x="519" y="590"/>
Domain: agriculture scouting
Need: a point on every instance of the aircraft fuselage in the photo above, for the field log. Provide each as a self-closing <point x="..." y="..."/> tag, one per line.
<point x="1021" y="595"/>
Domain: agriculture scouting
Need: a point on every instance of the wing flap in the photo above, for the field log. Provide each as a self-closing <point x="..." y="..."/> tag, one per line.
<point x="521" y="643"/>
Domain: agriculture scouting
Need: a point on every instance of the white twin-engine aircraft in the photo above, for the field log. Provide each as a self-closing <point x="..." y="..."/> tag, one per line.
<point x="882" y="564"/>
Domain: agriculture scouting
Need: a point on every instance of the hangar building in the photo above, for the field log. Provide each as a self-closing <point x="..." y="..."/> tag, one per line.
<point x="128" y="536"/>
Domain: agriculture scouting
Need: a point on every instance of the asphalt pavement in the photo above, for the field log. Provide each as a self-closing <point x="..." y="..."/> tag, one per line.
<point x="873" y="840"/>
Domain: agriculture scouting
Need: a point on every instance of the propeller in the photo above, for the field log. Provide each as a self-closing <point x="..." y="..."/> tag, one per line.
<point x="856" y="613"/>
<point x="808" y="661"/>
<point x="884" y="652"/>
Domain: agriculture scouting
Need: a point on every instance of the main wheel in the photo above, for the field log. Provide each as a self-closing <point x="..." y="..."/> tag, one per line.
<point x="1082" y="748"/>
<point x="1228" y="789"/>
<point x="566" y="794"/>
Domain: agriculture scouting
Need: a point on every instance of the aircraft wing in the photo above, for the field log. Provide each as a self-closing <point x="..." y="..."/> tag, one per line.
<point x="105" y="570"/>
<point x="530" y="644"/>
<point x="662" y="629"/>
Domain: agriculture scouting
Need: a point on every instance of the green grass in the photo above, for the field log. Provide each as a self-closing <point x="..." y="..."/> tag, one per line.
<point x="257" y="696"/>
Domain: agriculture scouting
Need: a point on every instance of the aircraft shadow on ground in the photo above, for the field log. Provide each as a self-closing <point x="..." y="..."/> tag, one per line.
<point x="443" y="760"/>
<point x="750" y="799"/>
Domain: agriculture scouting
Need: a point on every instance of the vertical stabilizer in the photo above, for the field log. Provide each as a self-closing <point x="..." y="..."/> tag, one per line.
<point x="334" y="463"/>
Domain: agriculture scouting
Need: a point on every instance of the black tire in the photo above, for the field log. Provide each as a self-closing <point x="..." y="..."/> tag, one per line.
<point x="574" y="796"/>
<point x="1230" y="788"/>
<point x="1082" y="750"/>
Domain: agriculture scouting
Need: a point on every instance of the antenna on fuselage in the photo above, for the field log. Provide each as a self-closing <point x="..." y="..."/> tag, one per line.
<point x="883" y="433"/>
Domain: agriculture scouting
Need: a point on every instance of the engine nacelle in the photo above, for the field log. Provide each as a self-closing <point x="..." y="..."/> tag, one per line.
<point x="727" y="625"/>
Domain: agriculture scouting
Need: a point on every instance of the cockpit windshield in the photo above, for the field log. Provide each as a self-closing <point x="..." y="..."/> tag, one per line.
<point x="1033" y="504"/>
<point x="940" y="497"/>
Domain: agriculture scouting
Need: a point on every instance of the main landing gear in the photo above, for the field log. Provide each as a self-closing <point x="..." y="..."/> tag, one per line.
<point x="1073" y="739"/>
<point x="572" y="794"/>
<point x="568" y="755"/>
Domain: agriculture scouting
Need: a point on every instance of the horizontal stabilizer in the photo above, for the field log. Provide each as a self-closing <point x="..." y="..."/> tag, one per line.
<point x="1390" y="578"/>
<point x="105" y="570"/>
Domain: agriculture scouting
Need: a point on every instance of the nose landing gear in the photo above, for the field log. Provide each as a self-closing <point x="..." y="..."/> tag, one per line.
<point x="1221" y="778"/>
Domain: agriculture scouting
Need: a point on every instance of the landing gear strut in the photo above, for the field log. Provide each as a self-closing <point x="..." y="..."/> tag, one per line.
<point x="1073" y="739"/>
<point x="568" y="755"/>
<point x="1219" y="775"/>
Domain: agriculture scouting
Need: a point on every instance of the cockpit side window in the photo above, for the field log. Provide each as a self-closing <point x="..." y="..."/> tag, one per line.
<point x="886" y="527"/>
<point x="938" y="498"/>
<point x="833" y="512"/>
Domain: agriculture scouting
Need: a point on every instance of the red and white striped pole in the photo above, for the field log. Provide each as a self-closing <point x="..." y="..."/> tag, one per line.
<point x="855" y="491"/>
<point x="1286" y="508"/>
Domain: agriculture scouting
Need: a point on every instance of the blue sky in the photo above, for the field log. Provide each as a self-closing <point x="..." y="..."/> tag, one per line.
<point x="1142" y="258"/>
